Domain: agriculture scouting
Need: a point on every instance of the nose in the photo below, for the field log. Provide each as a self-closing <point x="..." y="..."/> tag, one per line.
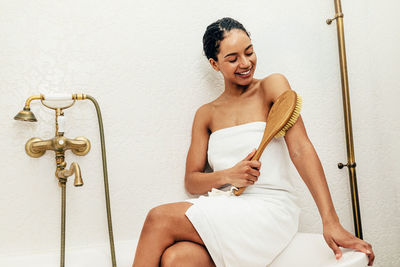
<point x="244" y="62"/>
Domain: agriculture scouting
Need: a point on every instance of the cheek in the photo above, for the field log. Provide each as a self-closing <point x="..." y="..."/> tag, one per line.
<point x="229" y="68"/>
<point x="254" y="58"/>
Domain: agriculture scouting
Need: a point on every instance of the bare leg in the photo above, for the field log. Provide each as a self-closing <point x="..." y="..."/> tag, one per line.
<point x="164" y="225"/>
<point x="186" y="254"/>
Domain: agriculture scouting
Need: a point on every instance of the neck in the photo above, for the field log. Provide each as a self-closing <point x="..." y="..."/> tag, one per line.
<point x="236" y="90"/>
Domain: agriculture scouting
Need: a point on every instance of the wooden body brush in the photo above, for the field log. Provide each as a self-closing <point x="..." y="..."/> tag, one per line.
<point x="283" y="115"/>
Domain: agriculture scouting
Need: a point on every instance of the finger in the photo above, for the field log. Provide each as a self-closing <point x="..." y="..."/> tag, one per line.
<point x="359" y="245"/>
<point x="362" y="246"/>
<point x="255" y="164"/>
<point x="251" y="173"/>
<point x="250" y="177"/>
<point x="367" y="249"/>
<point x="371" y="258"/>
<point x="249" y="156"/>
<point x="335" y="248"/>
<point x="254" y="172"/>
<point x="250" y="182"/>
<point x="371" y="255"/>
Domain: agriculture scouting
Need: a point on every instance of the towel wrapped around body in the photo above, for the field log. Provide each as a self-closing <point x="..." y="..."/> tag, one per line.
<point x="249" y="230"/>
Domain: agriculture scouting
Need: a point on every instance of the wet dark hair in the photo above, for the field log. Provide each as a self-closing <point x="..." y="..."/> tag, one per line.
<point x="215" y="33"/>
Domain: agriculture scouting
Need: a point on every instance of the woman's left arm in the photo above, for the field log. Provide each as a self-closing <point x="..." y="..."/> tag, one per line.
<point x="307" y="163"/>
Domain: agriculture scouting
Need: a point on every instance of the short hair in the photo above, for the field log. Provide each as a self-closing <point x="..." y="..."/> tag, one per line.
<point x="215" y="33"/>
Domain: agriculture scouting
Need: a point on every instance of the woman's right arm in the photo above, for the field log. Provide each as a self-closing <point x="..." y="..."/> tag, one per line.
<point x="198" y="182"/>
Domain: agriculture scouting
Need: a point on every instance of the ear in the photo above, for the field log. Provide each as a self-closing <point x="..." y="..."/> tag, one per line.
<point x="214" y="64"/>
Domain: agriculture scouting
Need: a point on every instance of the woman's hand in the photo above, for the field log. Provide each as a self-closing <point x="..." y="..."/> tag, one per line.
<point x="245" y="172"/>
<point x="336" y="236"/>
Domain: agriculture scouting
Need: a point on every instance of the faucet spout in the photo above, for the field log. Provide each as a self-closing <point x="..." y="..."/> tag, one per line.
<point x="74" y="169"/>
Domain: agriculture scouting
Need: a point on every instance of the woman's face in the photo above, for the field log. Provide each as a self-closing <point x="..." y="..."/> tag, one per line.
<point x="236" y="58"/>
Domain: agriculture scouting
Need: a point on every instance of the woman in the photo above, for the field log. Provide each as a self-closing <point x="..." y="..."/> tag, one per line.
<point x="252" y="229"/>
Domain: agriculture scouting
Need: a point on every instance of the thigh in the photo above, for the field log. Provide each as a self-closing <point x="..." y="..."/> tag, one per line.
<point x="172" y="216"/>
<point x="186" y="254"/>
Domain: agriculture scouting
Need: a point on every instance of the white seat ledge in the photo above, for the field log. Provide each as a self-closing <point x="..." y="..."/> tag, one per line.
<point x="311" y="250"/>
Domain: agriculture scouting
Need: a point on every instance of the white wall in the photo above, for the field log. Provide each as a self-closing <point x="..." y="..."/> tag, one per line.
<point x="143" y="61"/>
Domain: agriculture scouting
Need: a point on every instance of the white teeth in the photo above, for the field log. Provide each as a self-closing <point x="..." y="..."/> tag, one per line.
<point x="244" y="73"/>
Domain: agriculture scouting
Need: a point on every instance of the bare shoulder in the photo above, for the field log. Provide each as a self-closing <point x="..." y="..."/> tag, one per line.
<point x="202" y="117"/>
<point x="274" y="85"/>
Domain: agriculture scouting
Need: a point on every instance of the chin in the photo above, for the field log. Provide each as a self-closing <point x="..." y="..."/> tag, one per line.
<point x="245" y="82"/>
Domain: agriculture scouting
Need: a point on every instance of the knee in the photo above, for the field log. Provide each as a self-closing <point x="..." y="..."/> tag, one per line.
<point x="185" y="253"/>
<point x="170" y="258"/>
<point x="158" y="217"/>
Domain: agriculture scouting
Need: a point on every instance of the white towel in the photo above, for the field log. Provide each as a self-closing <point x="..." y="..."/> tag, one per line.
<point x="249" y="230"/>
<point x="217" y="192"/>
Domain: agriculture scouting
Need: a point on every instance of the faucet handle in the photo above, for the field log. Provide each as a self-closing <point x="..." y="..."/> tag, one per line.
<point x="79" y="146"/>
<point x="36" y="147"/>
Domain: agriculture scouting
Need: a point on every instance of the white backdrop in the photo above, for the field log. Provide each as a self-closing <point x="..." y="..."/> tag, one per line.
<point x="144" y="63"/>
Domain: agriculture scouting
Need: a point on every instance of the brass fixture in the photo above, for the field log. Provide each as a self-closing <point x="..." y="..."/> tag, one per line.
<point x="341" y="165"/>
<point x="64" y="174"/>
<point x="351" y="165"/>
<point x="25" y="115"/>
<point x="105" y="176"/>
<point x="338" y="15"/>
<point x="36" y="147"/>
<point x="30" y="99"/>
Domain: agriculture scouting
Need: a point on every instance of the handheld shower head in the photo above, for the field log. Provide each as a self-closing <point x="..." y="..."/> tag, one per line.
<point x="25" y="115"/>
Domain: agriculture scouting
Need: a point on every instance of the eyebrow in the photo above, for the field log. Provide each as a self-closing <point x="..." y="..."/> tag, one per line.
<point x="232" y="54"/>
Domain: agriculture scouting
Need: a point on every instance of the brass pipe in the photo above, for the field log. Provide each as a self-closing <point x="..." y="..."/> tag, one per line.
<point x="105" y="174"/>
<point x="29" y="100"/>
<point x="347" y="119"/>
<point x="63" y="215"/>
<point x="41" y="97"/>
<point x="60" y="161"/>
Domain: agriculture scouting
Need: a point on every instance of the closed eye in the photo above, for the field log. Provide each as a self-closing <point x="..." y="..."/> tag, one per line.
<point x="247" y="54"/>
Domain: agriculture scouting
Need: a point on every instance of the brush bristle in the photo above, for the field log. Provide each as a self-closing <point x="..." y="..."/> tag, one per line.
<point x="293" y="118"/>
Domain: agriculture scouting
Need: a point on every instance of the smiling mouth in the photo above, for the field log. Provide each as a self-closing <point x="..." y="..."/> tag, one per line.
<point x="245" y="72"/>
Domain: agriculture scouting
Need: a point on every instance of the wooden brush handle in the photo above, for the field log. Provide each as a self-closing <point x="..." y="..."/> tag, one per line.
<point x="256" y="156"/>
<point x="279" y="116"/>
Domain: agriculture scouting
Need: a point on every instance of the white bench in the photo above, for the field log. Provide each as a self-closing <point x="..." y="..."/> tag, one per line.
<point x="311" y="250"/>
<point x="305" y="250"/>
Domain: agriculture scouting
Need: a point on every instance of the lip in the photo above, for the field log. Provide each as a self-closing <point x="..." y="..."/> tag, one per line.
<point x="247" y="75"/>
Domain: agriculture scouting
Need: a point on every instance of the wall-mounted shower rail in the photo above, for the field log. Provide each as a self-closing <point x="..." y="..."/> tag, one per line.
<point x="351" y="164"/>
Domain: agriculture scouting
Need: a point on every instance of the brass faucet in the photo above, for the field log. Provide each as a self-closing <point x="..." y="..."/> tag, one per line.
<point x="63" y="174"/>
<point x="36" y="147"/>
